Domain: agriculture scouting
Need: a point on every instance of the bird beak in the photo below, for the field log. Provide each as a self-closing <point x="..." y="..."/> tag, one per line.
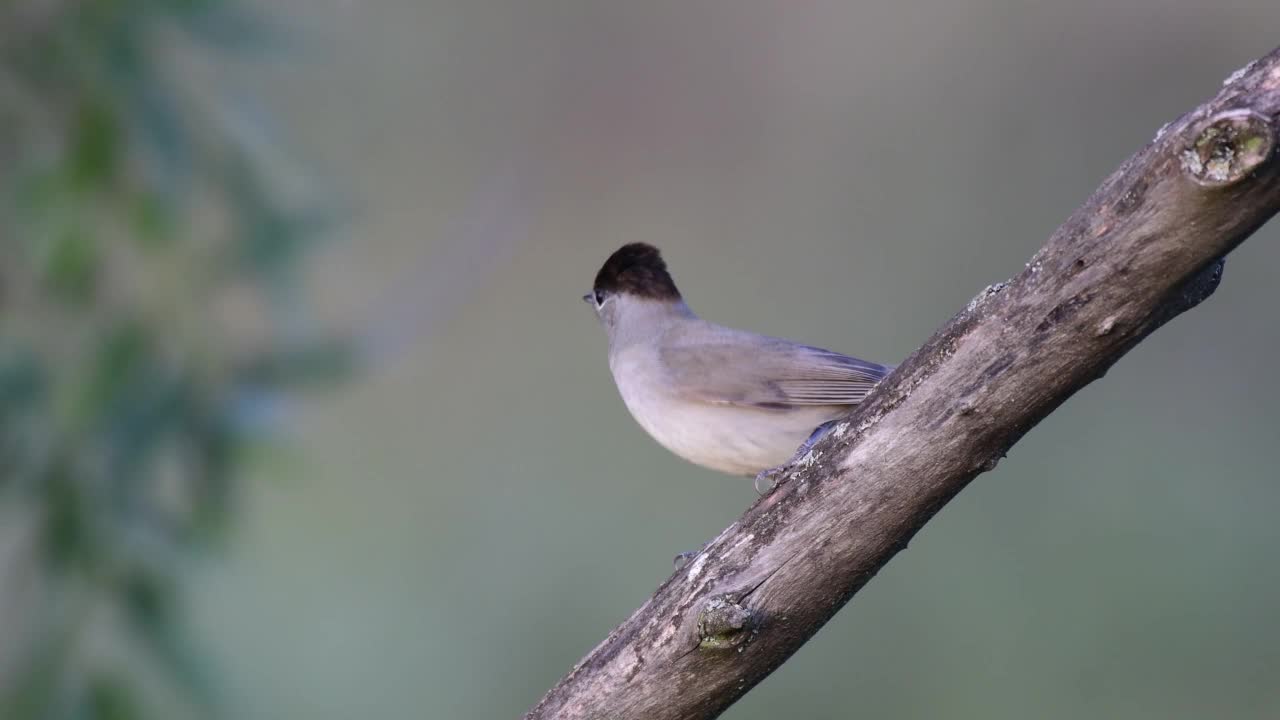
<point x="589" y="298"/>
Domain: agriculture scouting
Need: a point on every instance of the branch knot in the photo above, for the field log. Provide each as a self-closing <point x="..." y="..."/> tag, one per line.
<point x="723" y="624"/>
<point x="1230" y="147"/>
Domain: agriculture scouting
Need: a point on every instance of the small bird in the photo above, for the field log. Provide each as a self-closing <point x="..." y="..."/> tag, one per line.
<point x="726" y="399"/>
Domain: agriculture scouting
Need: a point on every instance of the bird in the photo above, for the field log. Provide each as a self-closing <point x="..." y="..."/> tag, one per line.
<point x="725" y="399"/>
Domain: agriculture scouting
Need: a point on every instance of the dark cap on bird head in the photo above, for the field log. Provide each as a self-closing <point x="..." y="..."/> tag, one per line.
<point x="637" y="269"/>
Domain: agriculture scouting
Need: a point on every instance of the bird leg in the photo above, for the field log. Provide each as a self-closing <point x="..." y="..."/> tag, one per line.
<point x="683" y="558"/>
<point x="818" y="433"/>
<point x="767" y="475"/>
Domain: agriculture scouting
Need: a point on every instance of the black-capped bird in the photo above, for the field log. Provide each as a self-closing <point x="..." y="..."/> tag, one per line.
<point x="726" y="399"/>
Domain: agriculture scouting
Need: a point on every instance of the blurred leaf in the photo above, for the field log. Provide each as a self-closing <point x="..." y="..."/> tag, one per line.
<point x="71" y="269"/>
<point x="152" y="221"/>
<point x="269" y="242"/>
<point x="95" y="146"/>
<point x="148" y="598"/>
<point x="119" y="353"/>
<point x="212" y="448"/>
<point x="164" y="138"/>
<point x="150" y="607"/>
<point x="22" y="381"/>
<point x="67" y="540"/>
<point x="149" y="409"/>
<point x="110" y="698"/>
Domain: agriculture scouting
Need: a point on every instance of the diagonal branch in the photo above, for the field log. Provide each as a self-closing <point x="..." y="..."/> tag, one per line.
<point x="1147" y="246"/>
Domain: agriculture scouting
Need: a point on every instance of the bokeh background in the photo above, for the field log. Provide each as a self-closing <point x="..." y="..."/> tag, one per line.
<point x="303" y="418"/>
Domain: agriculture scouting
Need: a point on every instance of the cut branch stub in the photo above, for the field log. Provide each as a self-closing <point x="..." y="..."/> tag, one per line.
<point x="1229" y="147"/>
<point x="724" y="624"/>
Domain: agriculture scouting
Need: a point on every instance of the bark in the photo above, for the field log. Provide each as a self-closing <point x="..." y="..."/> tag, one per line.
<point x="1145" y="247"/>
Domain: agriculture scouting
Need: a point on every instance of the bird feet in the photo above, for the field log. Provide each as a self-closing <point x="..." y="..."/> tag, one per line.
<point x="683" y="558"/>
<point x="765" y="482"/>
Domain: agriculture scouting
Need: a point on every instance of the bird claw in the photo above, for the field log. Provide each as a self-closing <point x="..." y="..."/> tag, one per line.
<point x="683" y="558"/>
<point x="764" y="482"/>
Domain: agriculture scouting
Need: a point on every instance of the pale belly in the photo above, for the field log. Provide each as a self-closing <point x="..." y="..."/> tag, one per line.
<point x="731" y="439"/>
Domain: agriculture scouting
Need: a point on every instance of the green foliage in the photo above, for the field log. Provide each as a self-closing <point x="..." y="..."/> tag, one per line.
<point x="141" y="232"/>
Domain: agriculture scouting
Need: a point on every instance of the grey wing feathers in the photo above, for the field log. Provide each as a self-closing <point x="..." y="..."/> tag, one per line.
<point x="768" y="373"/>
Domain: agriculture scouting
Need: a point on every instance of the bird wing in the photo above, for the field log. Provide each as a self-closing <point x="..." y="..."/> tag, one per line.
<point x="769" y="373"/>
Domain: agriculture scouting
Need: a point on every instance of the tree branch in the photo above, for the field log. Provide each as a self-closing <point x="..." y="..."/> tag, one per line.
<point x="1147" y="246"/>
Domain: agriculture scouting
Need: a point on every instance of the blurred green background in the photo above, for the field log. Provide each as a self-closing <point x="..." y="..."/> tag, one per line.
<point x="302" y="416"/>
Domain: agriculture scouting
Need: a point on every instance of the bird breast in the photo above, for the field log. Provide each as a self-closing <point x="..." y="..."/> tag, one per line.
<point x="735" y="439"/>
